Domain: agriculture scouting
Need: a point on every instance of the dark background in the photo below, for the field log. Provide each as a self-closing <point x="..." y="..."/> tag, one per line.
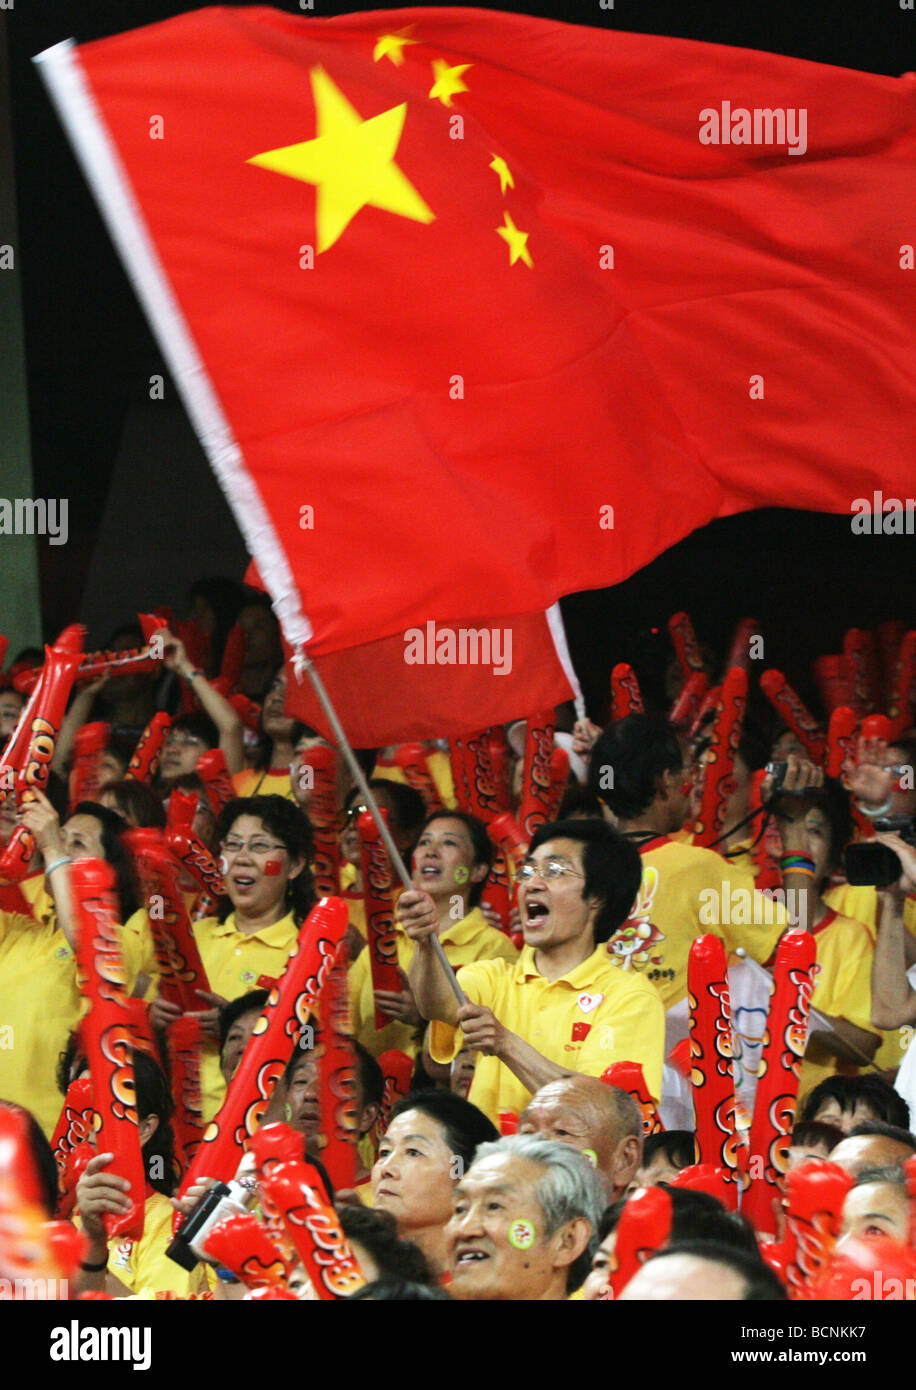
<point x="90" y="356"/>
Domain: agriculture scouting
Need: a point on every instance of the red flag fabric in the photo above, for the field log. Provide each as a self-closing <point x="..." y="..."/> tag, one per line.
<point x="489" y="308"/>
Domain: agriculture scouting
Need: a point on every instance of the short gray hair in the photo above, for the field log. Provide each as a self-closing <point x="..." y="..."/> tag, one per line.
<point x="569" y="1188"/>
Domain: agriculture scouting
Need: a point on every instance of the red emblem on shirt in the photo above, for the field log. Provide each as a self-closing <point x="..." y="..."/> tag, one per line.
<point x="580" y="1031"/>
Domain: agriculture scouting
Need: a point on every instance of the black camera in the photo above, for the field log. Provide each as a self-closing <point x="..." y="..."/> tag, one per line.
<point x="877" y="866"/>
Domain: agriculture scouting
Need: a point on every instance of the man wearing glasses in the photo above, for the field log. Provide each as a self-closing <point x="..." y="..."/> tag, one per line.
<point x="564" y="1006"/>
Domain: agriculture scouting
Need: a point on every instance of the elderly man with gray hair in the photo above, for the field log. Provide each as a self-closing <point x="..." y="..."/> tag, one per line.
<point x="524" y="1222"/>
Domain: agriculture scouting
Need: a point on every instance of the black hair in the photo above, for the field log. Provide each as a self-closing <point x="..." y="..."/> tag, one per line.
<point x="371" y="1076"/>
<point x="290" y="825"/>
<point x="761" y="1284"/>
<point x="136" y="800"/>
<point x="833" y="801"/>
<point x="244" y="1004"/>
<point x="465" y="1126"/>
<point x="893" y="1175"/>
<point x="198" y="725"/>
<point x="635" y="752"/>
<point x="695" y="1215"/>
<point x="678" y="1146"/>
<point x="847" y="1091"/>
<point x="753" y="747"/>
<point x="579" y="801"/>
<point x="65" y="1060"/>
<point x="400" y="1291"/>
<point x="612" y="864"/>
<point x="812" y="1133"/>
<point x="42" y="1156"/>
<point x="130" y="629"/>
<point x="397" y="1259"/>
<point x="225" y="597"/>
<point x="154" y="1098"/>
<point x="481" y="845"/>
<point x="112" y="828"/>
<point x="878" y="1129"/>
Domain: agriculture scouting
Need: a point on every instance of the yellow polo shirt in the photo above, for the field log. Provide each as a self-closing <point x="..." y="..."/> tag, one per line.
<point x="469" y="940"/>
<point x="595" y="1015"/>
<point x="356" y="907"/>
<point x="40" y="1005"/>
<point x="843" y="988"/>
<point x="686" y="892"/>
<point x="143" y="1266"/>
<point x="234" y="962"/>
<point x="440" y="769"/>
<point x="270" y="781"/>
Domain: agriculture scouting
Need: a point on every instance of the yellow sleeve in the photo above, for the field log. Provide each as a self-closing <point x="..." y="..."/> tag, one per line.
<point x="631" y="1029"/>
<point x="843" y="987"/>
<point x="768" y="918"/>
<point x="444" y="1041"/>
<point x="139" y="953"/>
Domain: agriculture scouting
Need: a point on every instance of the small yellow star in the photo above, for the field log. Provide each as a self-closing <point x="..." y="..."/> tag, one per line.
<point x="500" y="166"/>
<point x="392" y="46"/>
<point x="448" y="80"/>
<point x="516" y="241"/>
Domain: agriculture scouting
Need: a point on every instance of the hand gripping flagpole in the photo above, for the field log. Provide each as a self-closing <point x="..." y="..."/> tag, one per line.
<point x="303" y="663"/>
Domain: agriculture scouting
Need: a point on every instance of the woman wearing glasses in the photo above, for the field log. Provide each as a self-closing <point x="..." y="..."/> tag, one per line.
<point x="266" y="846"/>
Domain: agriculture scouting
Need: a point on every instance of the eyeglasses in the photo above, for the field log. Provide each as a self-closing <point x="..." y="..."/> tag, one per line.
<point x="550" y="869"/>
<point x="353" y="812"/>
<point x="258" y="847"/>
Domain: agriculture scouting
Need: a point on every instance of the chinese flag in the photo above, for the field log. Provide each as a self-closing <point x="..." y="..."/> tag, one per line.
<point x="484" y="309"/>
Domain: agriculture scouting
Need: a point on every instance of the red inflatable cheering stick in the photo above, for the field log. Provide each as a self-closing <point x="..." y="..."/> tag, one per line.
<point x="815" y="1193"/>
<point x="719" y="759"/>
<point x="628" y="1076"/>
<point x="795" y="714"/>
<point x="378" y="897"/>
<point x="213" y="772"/>
<point x="535" y="804"/>
<point x="87" y="773"/>
<point x="295" y="1191"/>
<point x="277" y="1032"/>
<point x="412" y="760"/>
<point x="181" y="968"/>
<point x="145" y="762"/>
<point x="337" y="1076"/>
<point x="76" y="1123"/>
<point x="777" y="1078"/>
<point x="903" y="687"/>
<point x="322" y="762"/>
<point x="107" y="1035"/>
<point x="643" y="1228"/>
<point x="862" y="664"/>
<point x="686" y="646"/>
<point x="626" y="696"/>
<point x="711" y="1053"/>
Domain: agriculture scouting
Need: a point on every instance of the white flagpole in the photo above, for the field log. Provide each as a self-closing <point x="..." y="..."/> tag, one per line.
<point x="558" y="633"/>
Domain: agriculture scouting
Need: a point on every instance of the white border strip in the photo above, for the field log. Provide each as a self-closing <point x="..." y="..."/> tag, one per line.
<point x="69" y="90"/>
<point x="558" y="633"/>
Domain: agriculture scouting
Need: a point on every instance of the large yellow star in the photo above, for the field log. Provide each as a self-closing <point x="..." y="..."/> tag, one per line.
<point x="392" y="46"/>
<point x="500" y="166"/>
<point x="517" y="242"/>
<point x="448" y="80"/>
<point x="351" y="161"/>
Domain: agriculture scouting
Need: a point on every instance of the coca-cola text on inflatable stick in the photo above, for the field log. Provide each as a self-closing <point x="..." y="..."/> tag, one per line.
<point x="841" y="740"/>
<point x="183" y="1040"/>
<point x="777" y="1077"/>
<point x="397" y="1069"/>
<point x="497" y="891"/>
<point x="903" y="688"/>
<point x="337" y="1076"/>
<point x="833" y="680"/>
<point x="276" y="1033"/>
<point x="534" y="806"/>
<point x="643" y="1228"/>
<point x="711" y="1054"/>
<point x="74" y="1126"/>
<point x="378" y="898"/>
<point x="412" y="760"/>
<point x="182" y="972"/>
<point x="485" y="774"/>
<point x="242" y="1244"/>
<point x="794" y="713"/>
<point x="462" y="774"/>
<point x="686" y="708"/>
<point x="719" y="758"/>
<point x="862" y="665"/>
<point x="57" y="676"/>
<point x="213" y="772"/>
<point x="626" y="696"/>
<point x="107" y="1035"/>
<point x="87" y="771"/>
<point x="295" y="1190"/>
<point x="145" y="761"/>
<point x="686" y="646"/>
<point x="194" y="857"/>
<point x="628" y="1076"/>
<point x="322" y="760"/>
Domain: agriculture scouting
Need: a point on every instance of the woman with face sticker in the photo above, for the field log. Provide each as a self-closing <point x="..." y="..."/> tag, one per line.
<point x="265" y="845"/>
<point x="427" y="1148"/>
